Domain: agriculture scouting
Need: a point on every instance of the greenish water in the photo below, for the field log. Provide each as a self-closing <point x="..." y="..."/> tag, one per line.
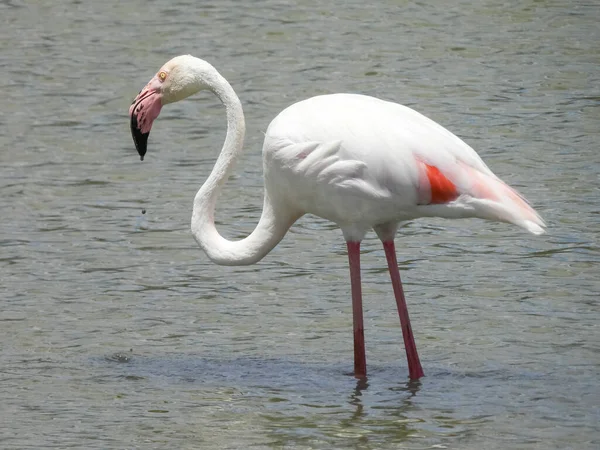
<point x="117" y="332"/>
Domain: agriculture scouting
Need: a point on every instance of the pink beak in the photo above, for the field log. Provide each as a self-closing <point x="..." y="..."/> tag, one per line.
<point x="142" y="112"/>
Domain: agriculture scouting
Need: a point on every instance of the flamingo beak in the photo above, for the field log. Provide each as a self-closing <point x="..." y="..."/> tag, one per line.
<point x="144" y="109"/>
<point x="139" y="139"/>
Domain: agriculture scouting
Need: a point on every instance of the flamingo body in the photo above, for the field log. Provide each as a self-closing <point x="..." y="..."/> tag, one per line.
<point x="358" y="161"/>
<point x="362" y="162"/>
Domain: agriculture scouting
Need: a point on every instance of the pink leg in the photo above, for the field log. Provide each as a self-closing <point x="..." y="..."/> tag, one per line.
<point x="360" y="360"/>
<point x="415" y="370"/>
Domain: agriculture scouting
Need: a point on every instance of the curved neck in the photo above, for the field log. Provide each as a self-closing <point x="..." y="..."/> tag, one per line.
<point x="270" y="229"/>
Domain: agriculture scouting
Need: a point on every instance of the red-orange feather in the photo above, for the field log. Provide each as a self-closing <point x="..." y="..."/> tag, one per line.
<point x="442" y="189"/>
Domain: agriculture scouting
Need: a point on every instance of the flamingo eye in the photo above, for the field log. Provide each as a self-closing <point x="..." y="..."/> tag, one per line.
<point x="162" y="75"/>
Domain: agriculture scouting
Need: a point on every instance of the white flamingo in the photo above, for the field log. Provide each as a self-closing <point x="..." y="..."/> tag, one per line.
<point x="358" y="161"/>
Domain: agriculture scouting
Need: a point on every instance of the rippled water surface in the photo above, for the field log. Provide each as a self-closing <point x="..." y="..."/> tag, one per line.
<point x="117" y="332"/>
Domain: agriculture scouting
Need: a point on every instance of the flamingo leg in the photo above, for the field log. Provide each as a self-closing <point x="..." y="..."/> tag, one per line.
<point x="360" y="360"/>
<point x="415" y="370"/>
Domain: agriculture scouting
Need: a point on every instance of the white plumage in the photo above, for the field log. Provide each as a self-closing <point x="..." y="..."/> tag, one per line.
<point x="354" y="159"/>
<point x="358" y="161"/>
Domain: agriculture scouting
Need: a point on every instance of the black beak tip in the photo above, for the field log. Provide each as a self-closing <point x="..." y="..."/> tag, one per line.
<point x="139" y="139"/>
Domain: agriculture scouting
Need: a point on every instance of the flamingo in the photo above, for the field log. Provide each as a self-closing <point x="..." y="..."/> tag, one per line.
<point x="361" y="162"/>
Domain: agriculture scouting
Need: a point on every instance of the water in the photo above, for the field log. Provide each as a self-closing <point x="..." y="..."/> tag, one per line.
<point x="117" y="332"/>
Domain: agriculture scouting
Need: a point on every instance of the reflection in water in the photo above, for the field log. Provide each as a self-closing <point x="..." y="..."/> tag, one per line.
<point x="355" y="401"/>
<point x="398" y="425"/>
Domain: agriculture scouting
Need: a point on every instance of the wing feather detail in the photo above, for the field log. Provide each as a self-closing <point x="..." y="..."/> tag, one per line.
<point x="324" y="163"/>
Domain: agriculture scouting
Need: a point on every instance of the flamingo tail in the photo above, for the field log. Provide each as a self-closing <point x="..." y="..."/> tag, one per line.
<point x="494" y="199"/>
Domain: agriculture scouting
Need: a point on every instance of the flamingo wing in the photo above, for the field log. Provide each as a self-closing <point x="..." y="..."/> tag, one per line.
<point x="367" y="147"/>
<point x="325" y="163"/>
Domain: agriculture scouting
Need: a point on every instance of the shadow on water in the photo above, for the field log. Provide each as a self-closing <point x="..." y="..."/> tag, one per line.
<point x="284" y="372"/>
<point x="247" y="372"/>
<point x="297" y="403"/>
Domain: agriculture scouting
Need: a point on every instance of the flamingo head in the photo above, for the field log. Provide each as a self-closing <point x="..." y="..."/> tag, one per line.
<point x="179" y="78"/>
